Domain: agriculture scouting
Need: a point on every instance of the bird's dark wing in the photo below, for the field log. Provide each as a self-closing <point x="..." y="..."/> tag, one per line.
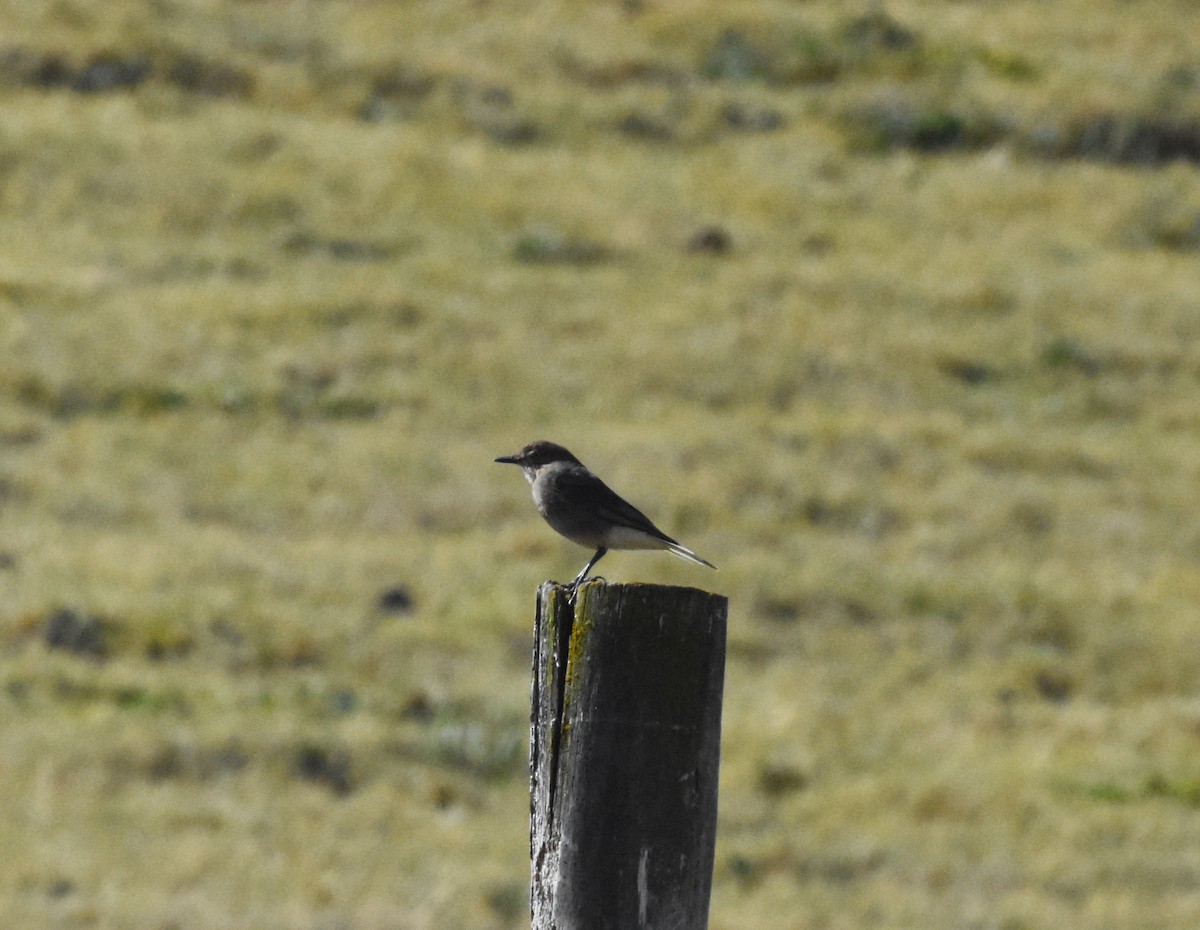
<point x="596" y="497"/>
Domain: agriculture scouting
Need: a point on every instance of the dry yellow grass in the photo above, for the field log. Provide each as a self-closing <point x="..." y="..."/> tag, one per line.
<point x="934" y="415"/>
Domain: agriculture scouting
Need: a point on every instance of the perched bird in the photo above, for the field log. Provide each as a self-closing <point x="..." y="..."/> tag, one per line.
<point x="586" y="510"/>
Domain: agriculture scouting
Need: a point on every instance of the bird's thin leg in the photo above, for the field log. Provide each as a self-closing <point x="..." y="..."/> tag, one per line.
<point x="574" y="585"/>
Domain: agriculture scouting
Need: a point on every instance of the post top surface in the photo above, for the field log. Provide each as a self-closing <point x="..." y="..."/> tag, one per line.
<point x="602" y="587"/>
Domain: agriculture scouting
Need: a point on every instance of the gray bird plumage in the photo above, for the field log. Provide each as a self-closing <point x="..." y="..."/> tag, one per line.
<point x="586" y="510"/>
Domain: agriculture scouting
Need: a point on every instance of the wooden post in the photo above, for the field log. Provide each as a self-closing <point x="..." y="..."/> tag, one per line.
<point x="625" y="745"/>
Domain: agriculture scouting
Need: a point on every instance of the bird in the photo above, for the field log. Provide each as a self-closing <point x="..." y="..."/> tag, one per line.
<point x="585" y="510"/>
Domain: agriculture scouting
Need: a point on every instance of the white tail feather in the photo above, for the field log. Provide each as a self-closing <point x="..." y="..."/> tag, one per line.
<point x="626" y="537"/>
<point x="688" y="555"/>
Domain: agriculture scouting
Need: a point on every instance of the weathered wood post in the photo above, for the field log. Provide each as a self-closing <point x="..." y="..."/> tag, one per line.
<point x="625" y="744"/>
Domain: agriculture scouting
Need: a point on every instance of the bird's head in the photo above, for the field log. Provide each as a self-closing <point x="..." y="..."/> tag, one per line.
<point x="538" y="455"/>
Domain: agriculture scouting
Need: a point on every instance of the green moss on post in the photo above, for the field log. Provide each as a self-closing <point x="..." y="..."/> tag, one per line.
<point x="624" y="756"/>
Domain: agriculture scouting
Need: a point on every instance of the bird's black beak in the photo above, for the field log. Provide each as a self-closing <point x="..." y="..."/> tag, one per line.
<point x="509" y="460"/>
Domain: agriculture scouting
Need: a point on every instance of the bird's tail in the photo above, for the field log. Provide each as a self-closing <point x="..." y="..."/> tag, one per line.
<point x="688" y="555"/>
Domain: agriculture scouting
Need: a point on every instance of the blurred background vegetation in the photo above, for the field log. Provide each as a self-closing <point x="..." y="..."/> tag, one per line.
<point x="888" y="310"/>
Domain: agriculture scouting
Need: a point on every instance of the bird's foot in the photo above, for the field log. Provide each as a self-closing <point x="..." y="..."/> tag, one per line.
<point x="574" y="586"/>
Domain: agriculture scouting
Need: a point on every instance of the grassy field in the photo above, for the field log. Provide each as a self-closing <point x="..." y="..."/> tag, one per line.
<point x="892" y="313"/>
